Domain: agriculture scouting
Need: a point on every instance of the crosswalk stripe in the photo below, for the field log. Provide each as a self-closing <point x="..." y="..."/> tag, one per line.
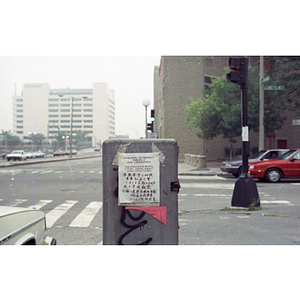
<point x="19" y="201"/>
<point x="40" y="204"/>
<point x="87" y="215"/>
<point x="58" y="212"/>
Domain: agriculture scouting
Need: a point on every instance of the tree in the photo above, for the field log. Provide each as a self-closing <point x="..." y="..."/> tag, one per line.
<point x="284" y="71"/>
<point x="219" y="111"/>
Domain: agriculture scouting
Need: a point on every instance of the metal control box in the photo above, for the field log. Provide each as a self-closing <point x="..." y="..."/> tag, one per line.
<point x="140" y="192"/>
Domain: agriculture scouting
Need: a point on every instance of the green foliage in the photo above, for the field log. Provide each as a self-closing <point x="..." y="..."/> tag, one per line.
<point x="283" y="71"/>
<point x="219" y="112"/>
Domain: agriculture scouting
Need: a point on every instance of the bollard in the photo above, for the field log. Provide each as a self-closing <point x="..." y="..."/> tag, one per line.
<point x="140" y="192"/>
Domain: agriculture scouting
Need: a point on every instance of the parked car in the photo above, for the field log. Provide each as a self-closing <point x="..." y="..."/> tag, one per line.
<point x="17" y="155"/>
<point x="59" y="153"/>
<point x="30" y="154"/>
<point x="274" y="170"/>
<point x="39" y="154"/>
<point x="23" y="226"/>
<point x="234" y="167"/>
<point x="74" y="152"/>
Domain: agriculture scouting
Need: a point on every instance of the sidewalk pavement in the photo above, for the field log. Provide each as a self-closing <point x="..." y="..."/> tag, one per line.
<point x="212" y="169"/>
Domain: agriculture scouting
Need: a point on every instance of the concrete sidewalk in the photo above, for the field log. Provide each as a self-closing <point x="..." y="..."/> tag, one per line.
<point x="212" y="169"/>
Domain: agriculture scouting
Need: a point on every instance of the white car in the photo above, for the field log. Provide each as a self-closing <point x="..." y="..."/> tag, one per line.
<point x="23" y="226"/>
<point x="17" y="155"/>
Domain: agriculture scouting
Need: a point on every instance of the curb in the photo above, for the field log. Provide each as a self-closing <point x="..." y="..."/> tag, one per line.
<point x="25" y="162"/>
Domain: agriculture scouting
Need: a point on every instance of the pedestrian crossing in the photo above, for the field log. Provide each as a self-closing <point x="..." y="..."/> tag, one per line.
<point x="204" y="189"/>
<point x="83" y="218"/>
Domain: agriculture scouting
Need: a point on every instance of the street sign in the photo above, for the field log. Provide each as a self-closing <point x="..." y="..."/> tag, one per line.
<point x="296" y="122"/>
<point x="265" y="79"/>
<point x="273" y="87"/>
<point x="152" y="135"/>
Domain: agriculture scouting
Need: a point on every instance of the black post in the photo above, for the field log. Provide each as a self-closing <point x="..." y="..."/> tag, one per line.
<point x="245" y="139"/>
<point x="245" y="191"/>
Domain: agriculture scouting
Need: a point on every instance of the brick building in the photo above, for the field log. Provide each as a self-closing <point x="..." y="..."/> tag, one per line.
<point x="177" y="80"/>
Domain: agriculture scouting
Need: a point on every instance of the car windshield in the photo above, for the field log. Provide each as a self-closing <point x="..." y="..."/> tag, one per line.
<point x="288" y="154"/>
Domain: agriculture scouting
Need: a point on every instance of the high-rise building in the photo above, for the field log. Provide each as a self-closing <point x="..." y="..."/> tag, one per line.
<point x="40" y="109"/>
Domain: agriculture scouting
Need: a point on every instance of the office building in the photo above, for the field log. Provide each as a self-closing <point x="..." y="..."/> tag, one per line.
<point x="40" y="109"/>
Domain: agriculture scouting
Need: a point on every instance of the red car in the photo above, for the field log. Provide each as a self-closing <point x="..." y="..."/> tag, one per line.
<point x="273" y="170"/>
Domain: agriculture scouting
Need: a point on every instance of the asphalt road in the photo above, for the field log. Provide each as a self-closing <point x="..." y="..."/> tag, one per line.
<point x="206" y="218"/>
<point x="70" y="193"/>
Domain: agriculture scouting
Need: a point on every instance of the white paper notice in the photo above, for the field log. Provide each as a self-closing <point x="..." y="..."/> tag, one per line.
<point x="139" y="182"/>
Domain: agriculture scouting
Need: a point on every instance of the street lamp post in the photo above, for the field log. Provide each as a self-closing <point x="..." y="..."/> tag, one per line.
<point x="146" y="103"/>
<point x="71" y="129"/>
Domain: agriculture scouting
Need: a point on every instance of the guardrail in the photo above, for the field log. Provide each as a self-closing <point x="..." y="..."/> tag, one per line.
<point x="198" y="161"/>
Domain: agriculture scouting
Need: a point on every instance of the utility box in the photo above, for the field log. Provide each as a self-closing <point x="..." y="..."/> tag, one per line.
<point x="140" y="192"/>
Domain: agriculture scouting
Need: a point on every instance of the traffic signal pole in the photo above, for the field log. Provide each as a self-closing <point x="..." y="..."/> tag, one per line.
<point x="245" y="191"/>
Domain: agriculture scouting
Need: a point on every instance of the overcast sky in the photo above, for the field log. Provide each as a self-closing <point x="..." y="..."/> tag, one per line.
<point x="131" y="78"/>
<point x="74" y="44"/>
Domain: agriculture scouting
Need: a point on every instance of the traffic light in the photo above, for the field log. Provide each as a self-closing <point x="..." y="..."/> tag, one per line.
<point x="150" y="126"/>
<point x="152" y="115"/>
<point x="239" y="67"/>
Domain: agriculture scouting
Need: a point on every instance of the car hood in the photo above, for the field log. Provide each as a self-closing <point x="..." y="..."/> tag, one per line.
<point x="8" y="210"/>
<point x="269" y="161"/>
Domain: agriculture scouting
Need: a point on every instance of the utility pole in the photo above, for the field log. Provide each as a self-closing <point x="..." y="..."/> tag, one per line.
<point x="245" y="191"/>
<point x="261" y="143"/>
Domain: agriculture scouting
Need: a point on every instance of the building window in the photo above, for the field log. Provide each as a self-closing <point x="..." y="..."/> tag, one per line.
<point x="53" y="105"/>
<point x="53" y="110"/>
<point x="88" y="121"/>
<point x="19" y="110"/>
<point x="88" y="104"/>
<point x="20" y="121"/>
<point x="77" y="121"/>
<point x="65" y="116"/>
<point x="19" y="116"/>
<point x="20" y="132"/>
<point x="65" y="104"/>
<point x="19" y="105"/>
<point x="88" y="116"/>
<point x="88" y="110"/>
<point x="65" y="110"/>
<point x="53" y="116"/>
<point x="77" y="116"/>
<point x="19" y="100"/>
<point x="65" y="121"/>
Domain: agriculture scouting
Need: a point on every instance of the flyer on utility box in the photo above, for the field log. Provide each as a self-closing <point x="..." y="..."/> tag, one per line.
<point x="139" y="180"/>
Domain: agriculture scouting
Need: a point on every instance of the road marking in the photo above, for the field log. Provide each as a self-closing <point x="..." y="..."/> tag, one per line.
<point x="211" y="195"/>
<point x="40" y="204"/>
<point x="19" y="201"/>
<point x="58" y="212"/>
<point x="85" y="218"/>
<point x="199" y="178"/>
<point x="45" y="172"/>
<point x="213" y="186"/>
<point x="275" y="202"/>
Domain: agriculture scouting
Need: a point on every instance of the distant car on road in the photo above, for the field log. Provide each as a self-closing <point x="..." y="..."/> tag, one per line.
<point x="234" y="167"/>
<point x="39" y="154"/>
<point x="30" y="154"/>
<point x="23" y="226"/>
<point x="274" y="170"/>
<point x="59" y="153"/>
<point x="17" y="155"/>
